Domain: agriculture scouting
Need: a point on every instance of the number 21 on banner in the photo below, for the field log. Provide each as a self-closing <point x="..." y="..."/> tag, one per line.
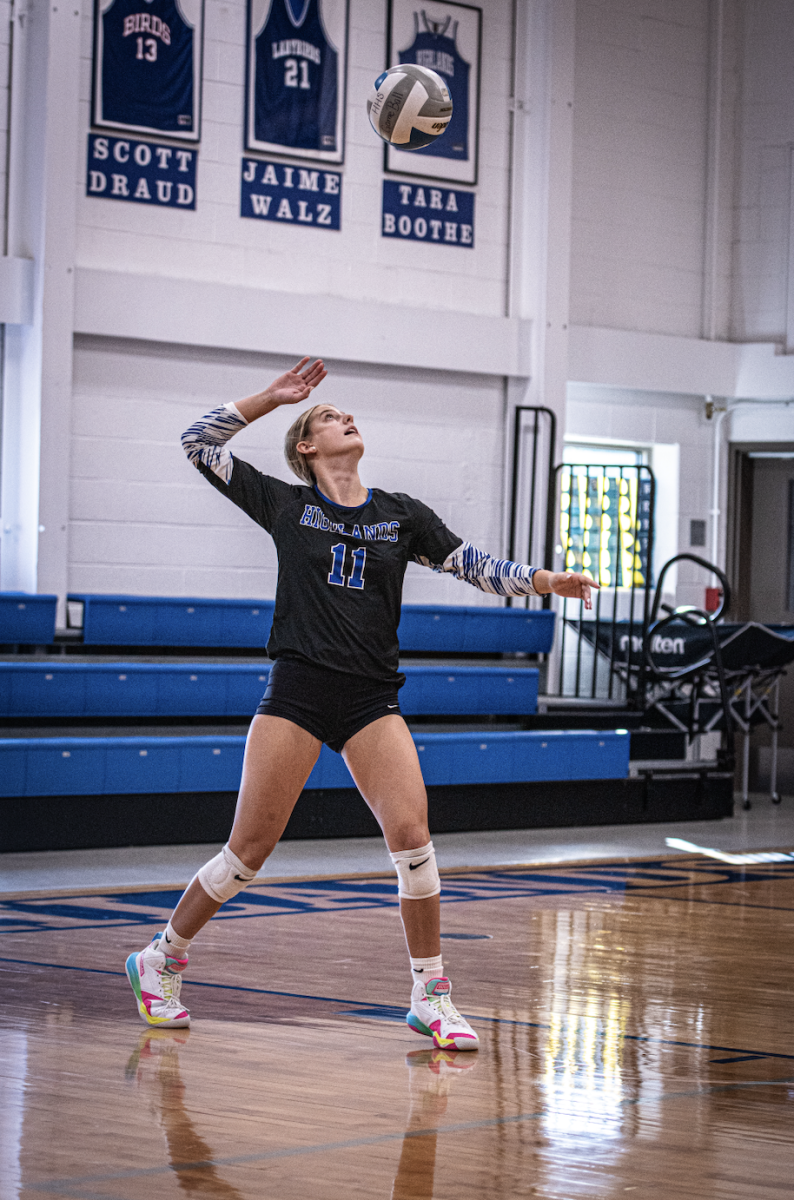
<point x="291" y="73"/>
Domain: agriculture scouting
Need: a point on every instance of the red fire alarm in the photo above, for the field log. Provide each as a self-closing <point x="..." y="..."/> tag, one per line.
<point x="713" y="599"/>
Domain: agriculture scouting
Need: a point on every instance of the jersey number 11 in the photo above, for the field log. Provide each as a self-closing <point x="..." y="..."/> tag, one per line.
<point x="337" y="573"/>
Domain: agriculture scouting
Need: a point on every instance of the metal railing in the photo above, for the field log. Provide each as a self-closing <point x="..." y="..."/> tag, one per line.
<point x="532" y="494"/>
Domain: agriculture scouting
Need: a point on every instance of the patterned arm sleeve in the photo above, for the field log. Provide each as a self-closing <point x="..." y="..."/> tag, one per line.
<point x="495" y="575"/>
<point x="205" y="441"/>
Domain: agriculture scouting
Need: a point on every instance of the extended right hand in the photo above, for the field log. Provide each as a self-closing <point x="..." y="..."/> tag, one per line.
<point x="296" y="385"/>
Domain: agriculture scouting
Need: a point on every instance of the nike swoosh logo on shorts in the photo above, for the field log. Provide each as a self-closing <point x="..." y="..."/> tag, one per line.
<point x="413" y="866"/>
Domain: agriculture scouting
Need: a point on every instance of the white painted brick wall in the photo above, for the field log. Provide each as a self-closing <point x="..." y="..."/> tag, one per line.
<point x="215" y="243"/>
<point x="766" y="134"/>
<point x="5" y="49"/>
<point x="639" y="164"/>
<point x="142" y="520"/>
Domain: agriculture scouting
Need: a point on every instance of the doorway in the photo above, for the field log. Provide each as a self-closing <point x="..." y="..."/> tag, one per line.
<point x="761" y="570"/>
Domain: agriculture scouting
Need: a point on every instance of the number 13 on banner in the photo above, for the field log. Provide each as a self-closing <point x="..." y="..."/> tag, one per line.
<point x="147" y="66"/>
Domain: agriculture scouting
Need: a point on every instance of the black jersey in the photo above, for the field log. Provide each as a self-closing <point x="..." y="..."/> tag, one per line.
<point x="340" y="570"/>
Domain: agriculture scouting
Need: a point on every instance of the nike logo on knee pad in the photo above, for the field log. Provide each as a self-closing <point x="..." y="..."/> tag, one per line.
<point x="413" y="866"/>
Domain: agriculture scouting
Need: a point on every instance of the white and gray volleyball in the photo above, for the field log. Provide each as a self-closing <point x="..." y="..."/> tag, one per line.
<point x="409" y="106"/>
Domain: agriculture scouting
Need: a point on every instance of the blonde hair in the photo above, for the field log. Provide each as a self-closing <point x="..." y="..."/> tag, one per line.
<point x="298" y="432"/>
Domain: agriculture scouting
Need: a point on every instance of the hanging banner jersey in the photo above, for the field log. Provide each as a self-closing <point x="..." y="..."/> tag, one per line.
<point x="147" y="65"/>
<point x="435" y="46"/>
<point x="294" y="83"/>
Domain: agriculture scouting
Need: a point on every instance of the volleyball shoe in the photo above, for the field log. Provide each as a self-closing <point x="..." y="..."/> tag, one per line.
<point x="156" y="979"/>
<point x="433" y="1014"/>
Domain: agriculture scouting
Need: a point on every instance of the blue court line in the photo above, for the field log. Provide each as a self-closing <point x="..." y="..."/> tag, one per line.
<point x="588" y="879"/>
<point x="739" y="1058"/>
<point x="389" y="1009"/>
<point x="69" y="1187"/>
<point x="23" y="926"/>
<point x="629" y="881"/>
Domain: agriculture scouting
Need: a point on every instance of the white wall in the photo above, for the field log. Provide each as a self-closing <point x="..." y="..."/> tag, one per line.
<point x="642" y="135"/>
<point x="640" y="125"/>
<point x="5" y="31"/>
<point x="215" y="244"/>
<point x="142" y="519"/>
<point x="766" y="134"/>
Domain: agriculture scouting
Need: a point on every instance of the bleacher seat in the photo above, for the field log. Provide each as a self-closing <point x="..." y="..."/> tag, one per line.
<point x="469" y="630"/>
<point x="82" y="766"/>
<point x="85" y="689"/>
<point x="171" y="621"/>
<point x="27" y="619"/>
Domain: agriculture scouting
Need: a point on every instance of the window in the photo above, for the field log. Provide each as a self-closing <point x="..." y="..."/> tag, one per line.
<point x="605" y="514"/>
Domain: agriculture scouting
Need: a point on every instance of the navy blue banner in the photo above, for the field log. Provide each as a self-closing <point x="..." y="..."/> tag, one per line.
<point x="147" y="66"/>
<point x="141" y="172"/>
<point x="273" y="191"/>
<point x="427" y="214"/>
<point x="295" y="78"/>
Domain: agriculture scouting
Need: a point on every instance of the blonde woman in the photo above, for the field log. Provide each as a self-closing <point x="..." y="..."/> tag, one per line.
<point x="342" y="552"/>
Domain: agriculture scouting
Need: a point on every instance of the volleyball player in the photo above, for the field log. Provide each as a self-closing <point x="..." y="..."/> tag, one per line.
<point x="342" y="554"/>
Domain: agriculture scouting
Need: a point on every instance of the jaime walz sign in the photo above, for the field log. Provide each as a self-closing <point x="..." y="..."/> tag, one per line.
<point x="427" y="214"/>
<point x="274" y="191"/>
<point x="141" y="172"/>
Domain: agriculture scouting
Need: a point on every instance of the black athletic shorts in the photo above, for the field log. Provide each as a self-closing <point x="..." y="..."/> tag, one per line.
<point x="330" y="705"/>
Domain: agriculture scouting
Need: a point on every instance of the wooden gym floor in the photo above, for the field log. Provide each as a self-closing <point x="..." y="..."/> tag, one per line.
<point x="636" y="1020"/>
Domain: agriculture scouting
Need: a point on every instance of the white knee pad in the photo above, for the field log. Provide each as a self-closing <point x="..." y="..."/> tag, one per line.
<point x="224" y="876"/>
<point x="417" y="872"/>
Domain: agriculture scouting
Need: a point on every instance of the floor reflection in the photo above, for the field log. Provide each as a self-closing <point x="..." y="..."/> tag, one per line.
<point x="13" y="1077"/>
<point x="153" y="1068"/>
<point x="583" y="1068"/>
<point x="430" y="1077"/>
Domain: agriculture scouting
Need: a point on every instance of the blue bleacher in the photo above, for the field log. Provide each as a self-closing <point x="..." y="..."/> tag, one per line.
<point x="170" y="621"/>
<point x="173" y="621"/>
<point x="455" y="629"/>
<point x="179" y="689"/>
<point x="64" y="689"/>
<point x="85" y="766"/>
<point x="27" y="619"/>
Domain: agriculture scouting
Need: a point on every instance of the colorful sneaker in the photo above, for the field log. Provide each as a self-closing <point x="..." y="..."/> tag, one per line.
<point x="156" y="980"/>
<point x="433" y="1014"/>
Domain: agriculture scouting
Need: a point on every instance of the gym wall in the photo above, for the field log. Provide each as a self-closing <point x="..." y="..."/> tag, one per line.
<point x="141" y="519"/>
<point x="633" y="203"/>
<point x="144" y="521"/>
<point x="215" y="244"/>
